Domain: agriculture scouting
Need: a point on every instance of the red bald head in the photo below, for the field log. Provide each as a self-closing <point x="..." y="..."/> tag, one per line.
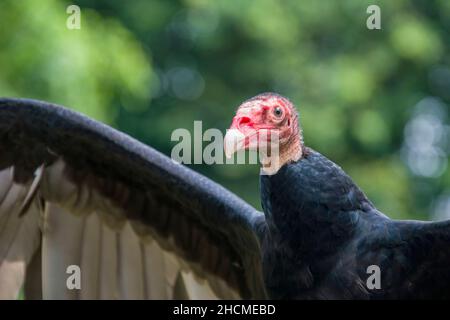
<point x="261" y="116"/>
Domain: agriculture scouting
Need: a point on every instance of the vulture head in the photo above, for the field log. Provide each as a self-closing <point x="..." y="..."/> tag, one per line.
<point x="267" y="122"/>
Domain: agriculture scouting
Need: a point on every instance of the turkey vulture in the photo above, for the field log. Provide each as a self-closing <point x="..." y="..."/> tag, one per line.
<point x="76" y="192"/>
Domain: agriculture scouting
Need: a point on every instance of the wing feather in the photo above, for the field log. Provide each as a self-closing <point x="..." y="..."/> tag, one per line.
<point x="61" y="248"/>
<point x="19" y="237"/>
<point x="108" y="264"/>
<point x="18" y="250"/>
<point x="90" y="258"/>
<point x="130" y="263"/>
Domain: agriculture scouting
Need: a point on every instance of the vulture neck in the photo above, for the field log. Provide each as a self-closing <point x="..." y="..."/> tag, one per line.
<point x="290" y="151"/>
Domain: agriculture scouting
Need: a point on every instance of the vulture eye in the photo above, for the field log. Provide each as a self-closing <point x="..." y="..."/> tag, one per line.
<point x="278" y="111"/>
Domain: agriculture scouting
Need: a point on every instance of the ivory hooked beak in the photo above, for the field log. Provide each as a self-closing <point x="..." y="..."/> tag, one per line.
<point x="234" y="141"/>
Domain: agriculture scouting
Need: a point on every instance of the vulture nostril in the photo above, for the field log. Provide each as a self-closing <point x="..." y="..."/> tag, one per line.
<point x="244" y="121"/>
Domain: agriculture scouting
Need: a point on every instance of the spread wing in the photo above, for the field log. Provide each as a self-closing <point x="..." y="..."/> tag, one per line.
<point x="413" y="257"/>
<point x="138" y="225"/>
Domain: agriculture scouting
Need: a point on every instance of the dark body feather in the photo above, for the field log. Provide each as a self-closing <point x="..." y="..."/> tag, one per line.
<point x="324" y="233"/>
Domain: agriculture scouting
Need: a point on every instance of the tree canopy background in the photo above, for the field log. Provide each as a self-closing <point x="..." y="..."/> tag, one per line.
<point x="374" y="101"/>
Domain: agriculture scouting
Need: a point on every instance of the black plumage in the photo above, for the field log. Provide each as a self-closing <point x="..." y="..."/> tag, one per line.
<point x="324" y="233"/>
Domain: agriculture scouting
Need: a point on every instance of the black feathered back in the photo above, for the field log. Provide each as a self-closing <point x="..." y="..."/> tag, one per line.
<point x="324" y="234"/>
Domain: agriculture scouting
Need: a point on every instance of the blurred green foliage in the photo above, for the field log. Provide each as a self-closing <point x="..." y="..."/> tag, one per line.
<point x="148" y="67"/>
